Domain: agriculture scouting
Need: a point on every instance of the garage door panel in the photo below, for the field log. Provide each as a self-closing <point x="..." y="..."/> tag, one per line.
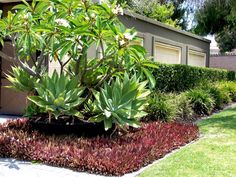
<point x="197" y="59"/>
<point x="167" y="54"/>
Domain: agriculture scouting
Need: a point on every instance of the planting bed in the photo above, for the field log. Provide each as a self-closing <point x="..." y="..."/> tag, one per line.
<point x="102" y="154"/>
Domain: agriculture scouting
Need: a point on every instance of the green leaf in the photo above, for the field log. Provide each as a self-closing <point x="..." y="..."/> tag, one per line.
<point x="107" y="124"/>
<point x="97" y="118"/>
<point x="150" y="77"/>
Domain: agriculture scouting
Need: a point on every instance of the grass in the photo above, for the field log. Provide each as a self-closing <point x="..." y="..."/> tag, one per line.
<point x="214" y="155"/>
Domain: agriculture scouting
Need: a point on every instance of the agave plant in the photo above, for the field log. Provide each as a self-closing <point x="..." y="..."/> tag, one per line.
<point x="58" y="95"/>
<point x="20" y="80"/>
<point x="121" y="103"/>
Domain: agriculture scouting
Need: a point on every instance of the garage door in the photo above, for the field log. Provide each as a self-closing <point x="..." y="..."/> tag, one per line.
<point x="196" y="58"/>
<point x="167" y="54"/>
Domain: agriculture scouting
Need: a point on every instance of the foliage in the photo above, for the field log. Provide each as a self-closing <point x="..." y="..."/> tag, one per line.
<point x="183" y="106"/>
<point x="160" y="107"/>
<point x="201" y="101"/>
<point x="218" y="17"/>
<point x="172" y="12"/>
<point x="155" y="10"/>
<point x="182" y="77"/>
<point x="32" y="110"/>
<point x="63" y="32"/>
<point x="20" y="80"/>
<point x="229" y="88"/>
<point x="100" y="154"/>
<point x="220" y="96"/>
<point x="121" y="103"/>
<point x="58" y="95"/>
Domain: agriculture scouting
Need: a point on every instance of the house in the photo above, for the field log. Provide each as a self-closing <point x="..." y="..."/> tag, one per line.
<point x="164" y="43"/>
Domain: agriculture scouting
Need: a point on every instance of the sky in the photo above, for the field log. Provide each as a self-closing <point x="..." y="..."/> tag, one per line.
<point x="213" y="42"/>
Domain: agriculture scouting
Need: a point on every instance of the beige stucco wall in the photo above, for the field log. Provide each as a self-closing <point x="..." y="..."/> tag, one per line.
<point x="12" y="102"/>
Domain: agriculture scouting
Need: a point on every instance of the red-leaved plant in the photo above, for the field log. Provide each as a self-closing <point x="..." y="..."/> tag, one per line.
<point x="101" y="154"/>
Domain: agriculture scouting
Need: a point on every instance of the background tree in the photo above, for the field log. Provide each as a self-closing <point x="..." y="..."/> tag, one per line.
<point x="218" y="17"/>
<point x="172" y="12"/>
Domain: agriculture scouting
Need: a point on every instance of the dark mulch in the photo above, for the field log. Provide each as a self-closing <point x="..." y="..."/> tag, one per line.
<point x="101" y="154"/>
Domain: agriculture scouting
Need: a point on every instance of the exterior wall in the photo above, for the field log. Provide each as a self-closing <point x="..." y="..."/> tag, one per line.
<point x="11" y="102"/>
<point x="154" y="31"/>
<point x="223" y="61"/>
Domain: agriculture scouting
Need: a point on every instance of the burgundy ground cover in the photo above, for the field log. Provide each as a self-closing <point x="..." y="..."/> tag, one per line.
<point x="101" y="154"/>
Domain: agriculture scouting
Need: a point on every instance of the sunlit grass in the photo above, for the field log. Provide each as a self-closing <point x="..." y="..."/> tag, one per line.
<point x="214" y="155"/>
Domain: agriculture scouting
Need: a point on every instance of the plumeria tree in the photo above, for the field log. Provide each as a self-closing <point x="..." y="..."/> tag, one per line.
<point x="63" y="31"/>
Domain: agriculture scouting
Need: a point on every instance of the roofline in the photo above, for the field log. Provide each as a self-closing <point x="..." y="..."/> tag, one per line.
<point x="149" y="20"/>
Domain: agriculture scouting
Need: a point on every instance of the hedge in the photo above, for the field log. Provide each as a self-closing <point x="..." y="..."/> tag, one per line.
<point x="177" y="78"/>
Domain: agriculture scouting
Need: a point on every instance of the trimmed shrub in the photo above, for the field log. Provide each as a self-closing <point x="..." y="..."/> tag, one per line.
<point x="177" y="78"/>
<point x="101" y="154"/>
<point x="201" y="101"/>
<point x="161" y="107"/>
<point x="231" y="76"/>
<point x="184" y="109"/>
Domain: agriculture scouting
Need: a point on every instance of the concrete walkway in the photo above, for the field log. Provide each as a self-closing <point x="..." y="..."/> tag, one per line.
<point x="13" y="168"/>
<point x="4" y="118"/>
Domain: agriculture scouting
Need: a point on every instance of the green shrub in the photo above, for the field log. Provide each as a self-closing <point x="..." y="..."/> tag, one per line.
<point x="230" y="88"/>
<point x="121" y="103"/>
<point x="58" y="95"/>
<point x="161" y="107"/>
<point x="231" y="76"/>
<point x="220" y="96"/>
<point x="201" y="101"/>
<point x="178" y="78"/>
<point x="184" y="109"/>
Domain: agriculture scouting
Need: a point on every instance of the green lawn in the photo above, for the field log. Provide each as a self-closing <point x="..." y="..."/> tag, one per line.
<point x="213" y="155"/>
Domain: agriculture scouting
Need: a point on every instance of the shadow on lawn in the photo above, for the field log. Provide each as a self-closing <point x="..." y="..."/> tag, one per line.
<point x="224" y="120"/>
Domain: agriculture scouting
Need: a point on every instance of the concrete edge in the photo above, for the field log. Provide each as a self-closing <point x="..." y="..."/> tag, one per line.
<point x="136" y="173"/>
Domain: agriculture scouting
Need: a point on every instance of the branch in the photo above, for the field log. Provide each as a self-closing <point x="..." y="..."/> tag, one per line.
<point x="41" y="59"/>
<point x="21" y="64"/>
<point x="100" y="62"/>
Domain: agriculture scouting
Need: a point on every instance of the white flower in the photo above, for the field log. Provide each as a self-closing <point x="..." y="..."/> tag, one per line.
<point x="117" y="37"/>
<point x="26" y="16"/>
<point x="118" y="10"/>
<point x="129" y="36"/>
<point x="62" y="22"/>
<point x="122" y="42"/>
<point x="79" y="47"/>
<point x="93" y="15"/>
